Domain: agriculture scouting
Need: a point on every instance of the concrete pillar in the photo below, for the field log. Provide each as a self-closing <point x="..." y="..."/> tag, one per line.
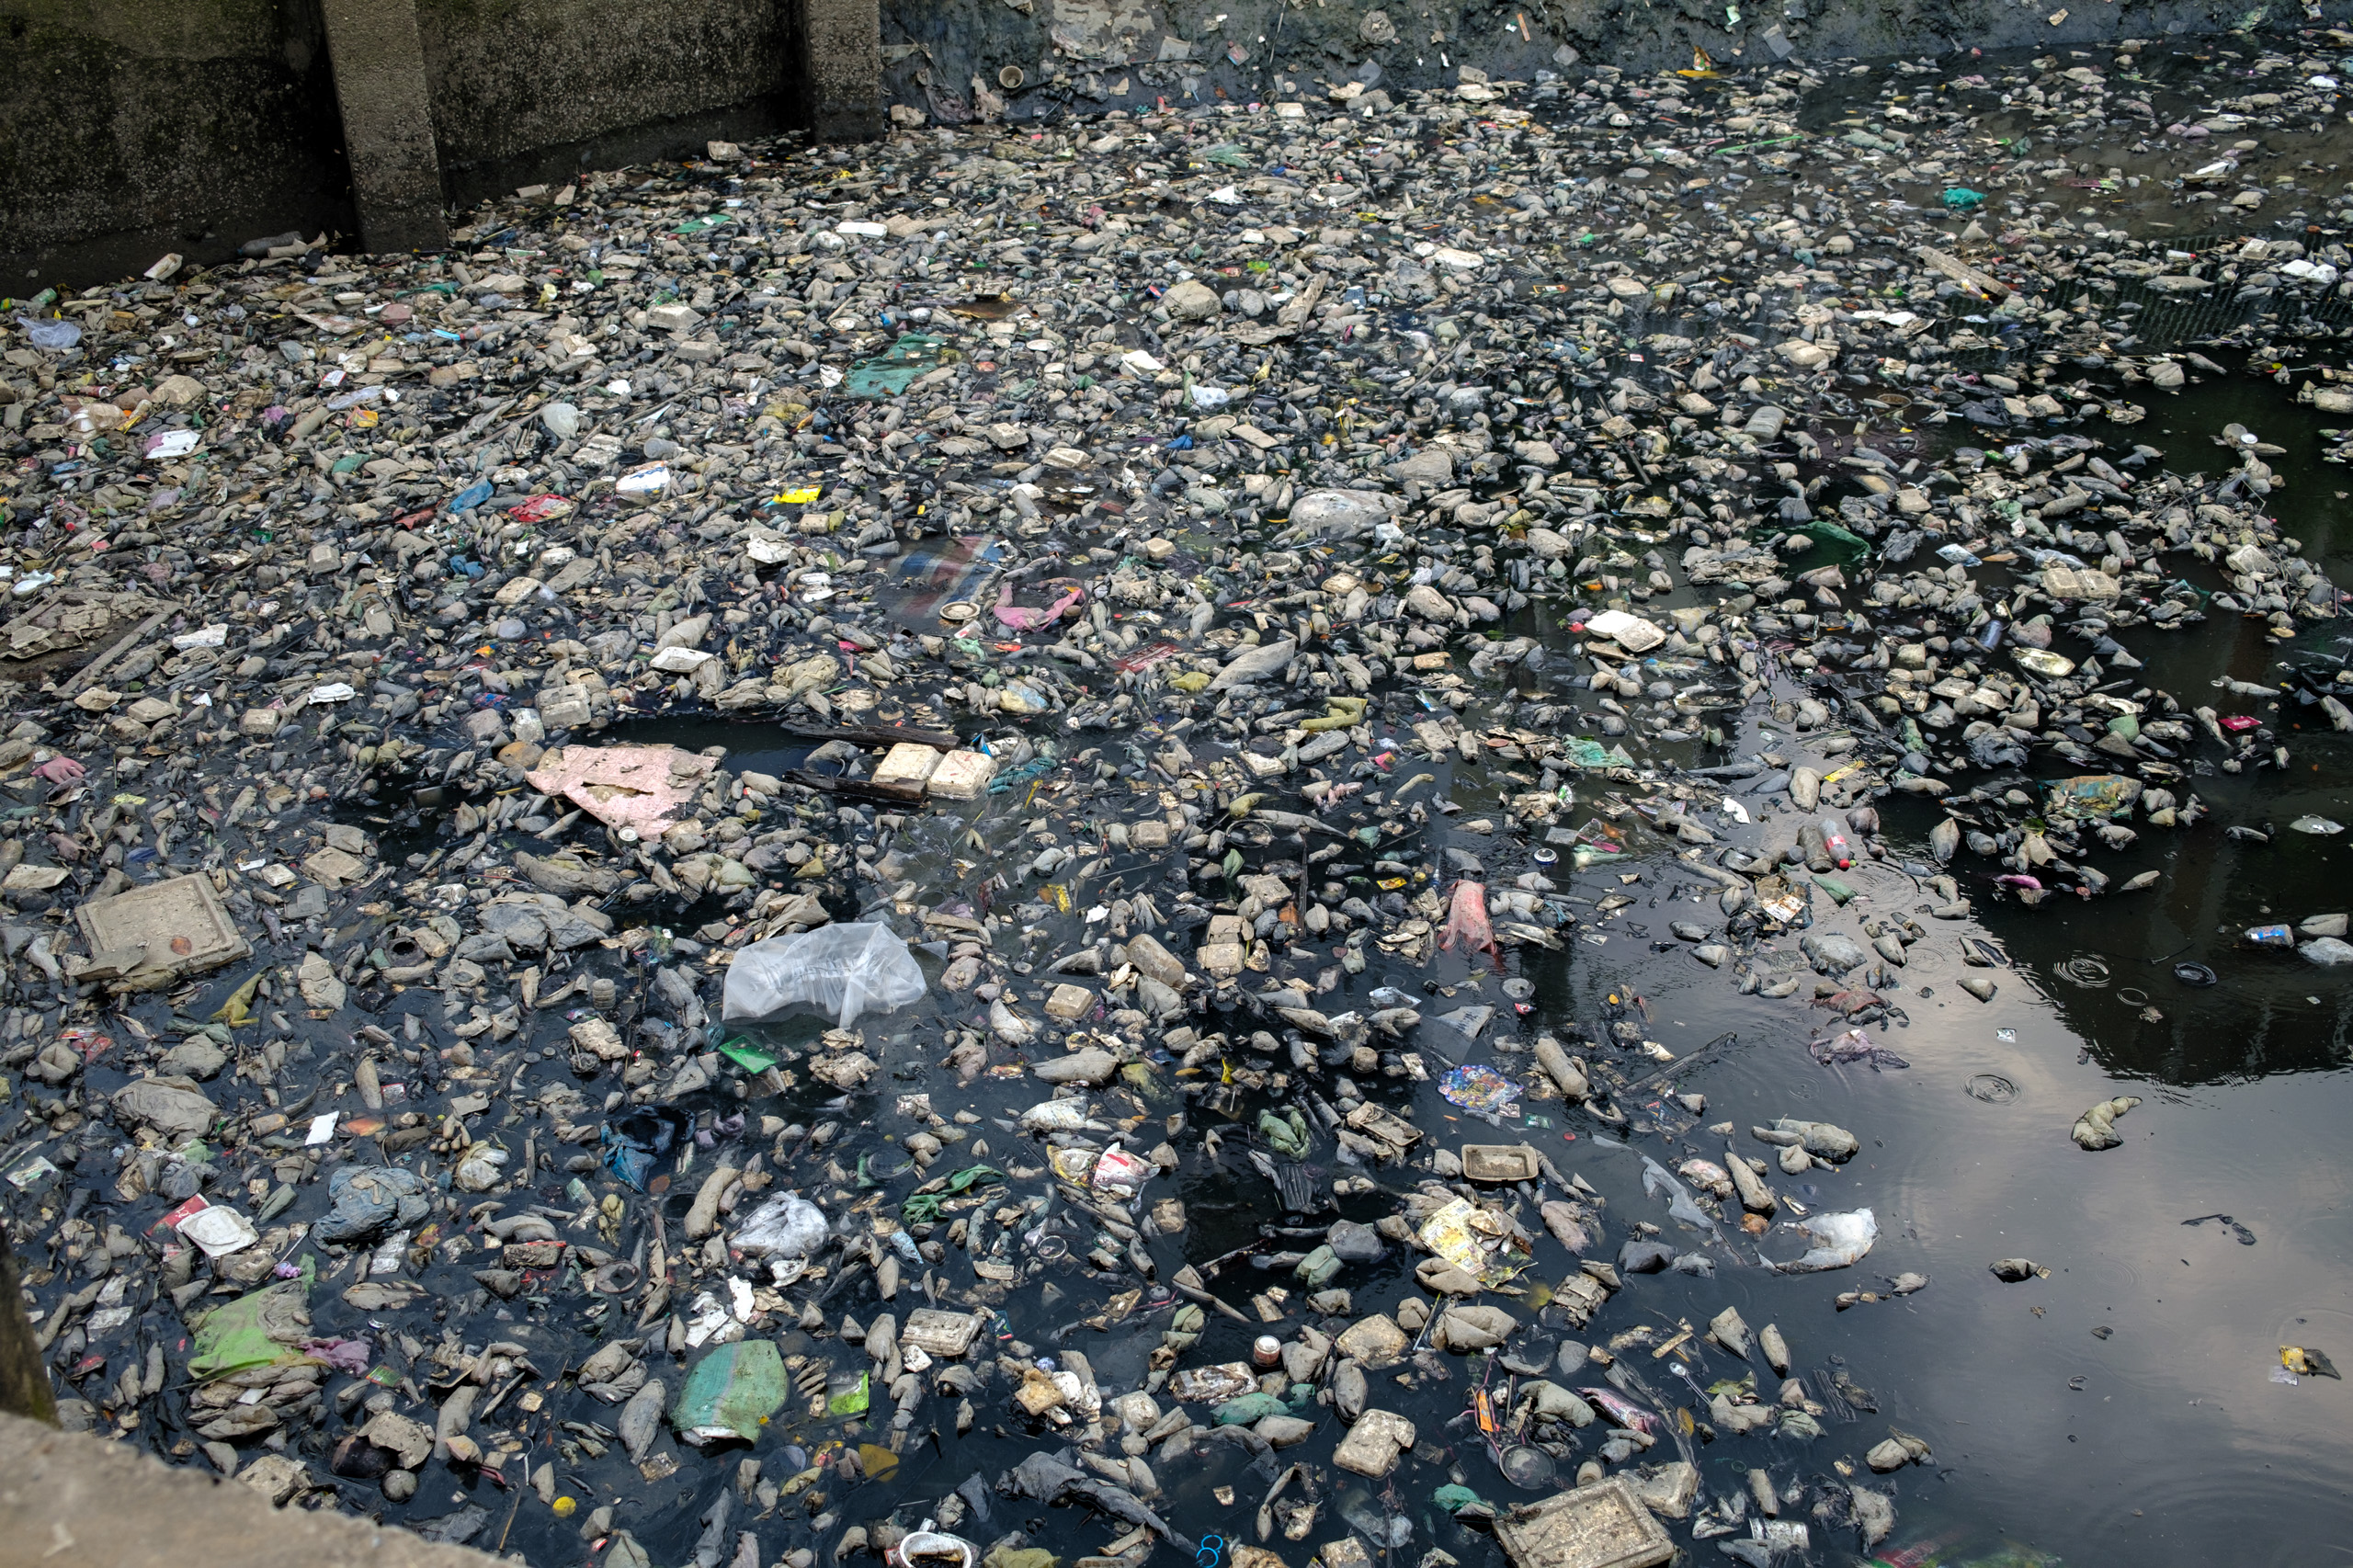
<point x="835" y="93"/>
<point x="387" y="123"/>
<point x="24" y="1378"/>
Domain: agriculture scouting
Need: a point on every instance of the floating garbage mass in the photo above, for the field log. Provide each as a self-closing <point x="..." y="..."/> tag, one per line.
<point x="1008" y="847"/>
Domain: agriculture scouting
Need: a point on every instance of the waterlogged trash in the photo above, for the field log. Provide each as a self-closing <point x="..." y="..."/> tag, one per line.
<point x="784" y="1226"/>
<point x="729" y="1395"/>
<point x="54" y="334"/>
<point x="2098" y="795"/>
<point x="890" y="372"/>
<point x="1839" y="1241"/>
<point x="370" y="1203"/>
<point x="220" y="1231"/>
<point x="264" y="1328"/>
<point x="844" y="971"/>
<point x="2095" y="1129"/>
<point x="1600" y="1526"/>
<point x="2305" y="1361"/>
<point x="930" y="1548"/>
<point x="1246" y="687"/>
<point x="634" y="1144"/>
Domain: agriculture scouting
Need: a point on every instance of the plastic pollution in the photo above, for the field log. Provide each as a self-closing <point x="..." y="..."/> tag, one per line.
<point x="633" y="1142"/>
<point x="1839" y="1241"/>
<point x="2095" y="1129"/>
<point x="53" y="335"/>
<point x="928" y="1548"/>
<point x="2329" y="952"/>
<point x="786" y="1226"/>
<point x="264" y="1328"/>
<point x="2270" y="937"/>
<point x="729" y="1395"/>
<point x="368" y="1202"/>
<point x="845" y="971"/>
<point x="1333" y="708"/>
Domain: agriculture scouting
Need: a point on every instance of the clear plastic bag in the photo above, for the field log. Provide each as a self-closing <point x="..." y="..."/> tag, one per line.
<point x="842" y="970"/>
<point x="1840" y="1242"/>
<point x="787" y="1225"/>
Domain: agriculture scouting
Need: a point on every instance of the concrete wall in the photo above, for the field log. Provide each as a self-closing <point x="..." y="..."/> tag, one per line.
<point x="131" y="128"/>
<point x="137" y="127"/>
<point x="527" y="90"/>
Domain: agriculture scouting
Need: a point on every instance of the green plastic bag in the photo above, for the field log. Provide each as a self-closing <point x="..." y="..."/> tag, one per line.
<point x="851" y="1402"/>
<point x="1833" y="545"/>
<point x="264" y="1329"/>
<point x="730" y="1393"/>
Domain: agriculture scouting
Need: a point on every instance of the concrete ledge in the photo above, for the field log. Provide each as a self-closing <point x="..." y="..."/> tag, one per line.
<point x="68" y="1500"/>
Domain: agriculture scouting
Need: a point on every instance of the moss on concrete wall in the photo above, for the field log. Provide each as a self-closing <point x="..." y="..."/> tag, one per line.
<point x="170" y="119"/>
<point x="510" y="77"/>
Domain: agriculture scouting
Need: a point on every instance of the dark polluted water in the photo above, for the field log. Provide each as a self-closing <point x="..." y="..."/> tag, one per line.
<point x="2124" y="1400"/>
<point x="2125" y="1404"/>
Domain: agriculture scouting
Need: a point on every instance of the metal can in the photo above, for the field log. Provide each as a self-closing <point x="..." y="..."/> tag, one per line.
<point x="1266" y="1353"/>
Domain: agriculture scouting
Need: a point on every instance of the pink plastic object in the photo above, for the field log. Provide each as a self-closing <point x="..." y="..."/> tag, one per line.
<point x="1466" y="920"/>
<point x="632" y="787"/>
<point x="1024" y="619"/>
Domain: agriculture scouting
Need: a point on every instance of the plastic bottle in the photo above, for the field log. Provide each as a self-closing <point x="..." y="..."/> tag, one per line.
<point x="1836" y="844"/>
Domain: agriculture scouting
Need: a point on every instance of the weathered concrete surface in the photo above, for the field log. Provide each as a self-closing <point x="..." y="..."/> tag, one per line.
<point x="387" y="123"/>
<point x="161" y="125"/>
<point x="532" y="90"/>
<point x="68" y="1500"/>
<point x="836" y="53"/>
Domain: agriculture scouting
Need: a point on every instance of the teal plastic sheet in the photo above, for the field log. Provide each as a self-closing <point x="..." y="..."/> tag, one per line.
<point x="890" y="372"/>
<point x="731" y="1393"/>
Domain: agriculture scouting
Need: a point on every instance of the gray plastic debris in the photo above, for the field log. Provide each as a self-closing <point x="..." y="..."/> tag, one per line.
<point x="368" y="1203"/>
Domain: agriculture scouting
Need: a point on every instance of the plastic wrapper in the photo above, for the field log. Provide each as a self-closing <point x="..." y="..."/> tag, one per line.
<point x="846" y="970"/>
<point x="1840" y="1241"/>
<point x="1681" y="1205"/>
<point x="787" y="1225"/>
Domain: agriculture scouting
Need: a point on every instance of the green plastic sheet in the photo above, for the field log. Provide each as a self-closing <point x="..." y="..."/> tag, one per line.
<point x="264" y="1329"/>
<point x="890" y="372"/>
<point x="731" y="1393"/>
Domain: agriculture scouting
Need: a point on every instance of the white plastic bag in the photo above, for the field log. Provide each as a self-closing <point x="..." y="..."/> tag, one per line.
<point x="787" y="1225"/>
<point x="842" y="970"/>
<point x="1840" y="1242"/>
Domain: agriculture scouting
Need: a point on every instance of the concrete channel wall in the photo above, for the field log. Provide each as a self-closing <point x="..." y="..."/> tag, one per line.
<point x="74" y="1501"/>
<point x="133" y="128"/>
